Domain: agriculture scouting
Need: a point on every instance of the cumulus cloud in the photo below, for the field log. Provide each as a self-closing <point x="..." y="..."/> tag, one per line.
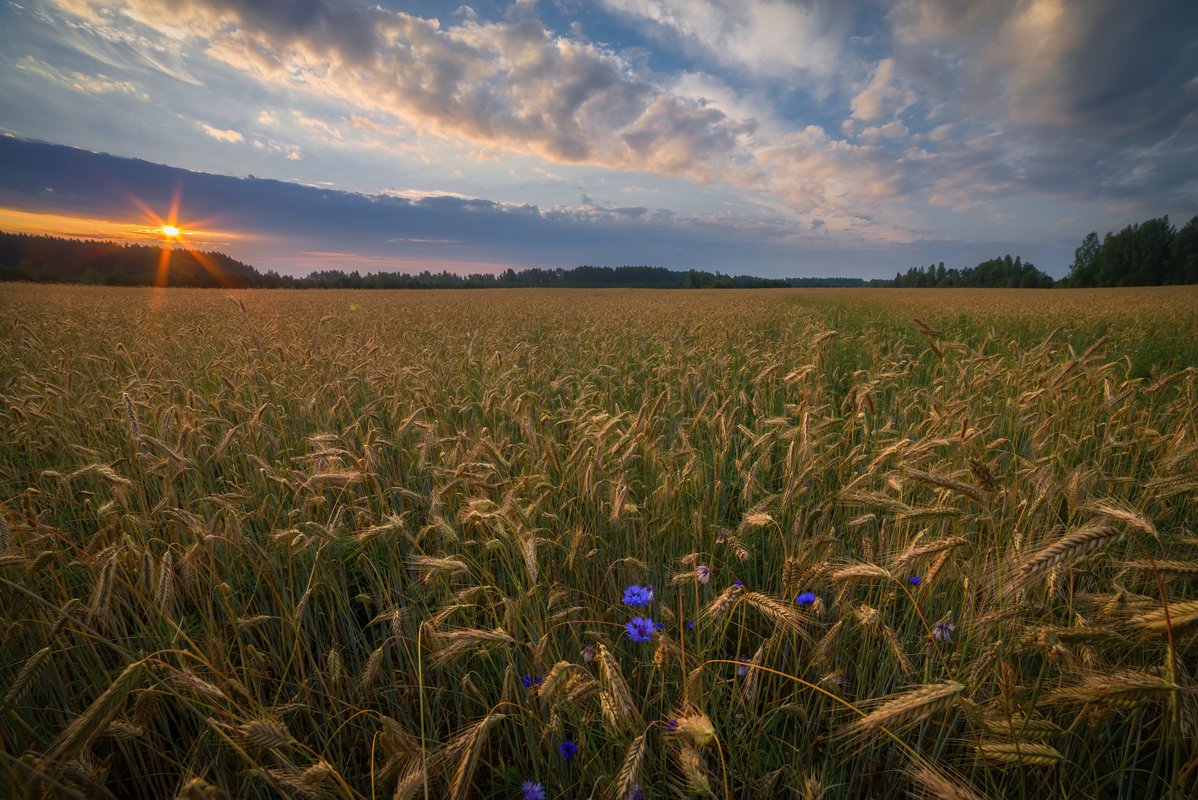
<point x="510" y="85"/>
<point x="514" y="86"/>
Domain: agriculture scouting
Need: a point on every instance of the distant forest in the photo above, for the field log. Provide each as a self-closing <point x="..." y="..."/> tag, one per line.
<point x="1148" y="254"/>
<point x="1005" y="272"/>
<point x="48" y="259"/>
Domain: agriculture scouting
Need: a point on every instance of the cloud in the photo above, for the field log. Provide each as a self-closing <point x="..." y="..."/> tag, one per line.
<point x="878" y="134"/>
<point x="513" y="86"/>
<point x="1085" y="92"/>
<point x="508" y="85"/>
<point x="231" y="136"/>
<point x="765" y="37"/>
<point x="79" y="81"/>
<point x="883" y="95"/>
<point x="945" y="105"/>
<point x="271" y="224"/>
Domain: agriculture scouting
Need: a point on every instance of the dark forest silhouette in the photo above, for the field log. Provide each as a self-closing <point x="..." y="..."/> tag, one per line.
<point x="1148" y="254"/>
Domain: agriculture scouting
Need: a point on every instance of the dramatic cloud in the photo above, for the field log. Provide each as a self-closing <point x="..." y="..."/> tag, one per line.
<point x="1089" y="95"/>
<point x="514" y="86"/>
<point x="779" y="123"/>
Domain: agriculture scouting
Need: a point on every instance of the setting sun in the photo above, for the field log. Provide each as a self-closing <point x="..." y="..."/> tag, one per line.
<point x="170" y="231"/>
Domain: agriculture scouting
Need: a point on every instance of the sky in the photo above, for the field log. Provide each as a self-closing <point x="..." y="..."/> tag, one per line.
<point x="781" y="138"/>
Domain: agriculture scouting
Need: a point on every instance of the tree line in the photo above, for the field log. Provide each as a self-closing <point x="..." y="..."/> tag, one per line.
<point x="1146" y="254"/>
<point x="49" y="259"/>
<point x="1005" y="272"/>
<point x="1152" y="253"/>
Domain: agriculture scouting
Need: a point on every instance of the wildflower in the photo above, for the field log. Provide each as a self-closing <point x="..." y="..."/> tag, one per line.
<point x="588" y="653"/>
<point x="659" y="626"/>
<point x="703" y="573"/>
<point x="568" y="748"/>
<point x="915" y="580"/>
<point x="743" y="669"/>
<point x="672" y="725"/>
<point x="806" y="598"/>
<point x="532" y="791"/>
<point x="689" y="625"/>
<point x="738" y="582"/>
<point x="638" y="595"/>
<point x="530" y="681"/>
<point x="943" y="631"/>
<point x="637" y="793"/>
<point x="722" y="535"/>
<point x="640" y="629"/>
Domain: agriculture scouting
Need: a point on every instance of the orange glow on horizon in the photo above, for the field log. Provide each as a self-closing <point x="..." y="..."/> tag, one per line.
<point x="165" y="233"/>
<point x="69" y="226"/>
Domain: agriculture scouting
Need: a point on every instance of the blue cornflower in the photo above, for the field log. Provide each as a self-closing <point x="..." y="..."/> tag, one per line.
<point x="637" y="793"/>
<point x="806" y="598"/>
<point x="689" y="625"/>
<point x="943" y="631"/>
<point x="659" y="626"/>
<point x="568" y="748"/>
<point x="530" y="681"/>
<point x="743" y="669"/>
<point x="532" y="791"/>
<point x="640" y="629"/>
<point x="672" y="725"/>
<point x="738" y="582"/>
<point x="638" y="595"/>
<point x="915" y="580"/>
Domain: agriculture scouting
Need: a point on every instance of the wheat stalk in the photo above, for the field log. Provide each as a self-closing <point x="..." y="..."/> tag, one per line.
<point x="1120" y="689"/>
<point x="1022" y="752"/>
<point x="469" y="744"/>
<point x="265" y="733"/>
<point x="626" y="780"/>
<point x="860" y="572"/>
<point x="907" y="709"/>
<point x="623" y="711"/>
<point x="945" y="483"/>
<point x="1176" y="615"/>
<point x="780" y="614"/>
<point x="1165" y="566"/>
<point x="84" y="729"/>
<point x="1069" y="548"/>
<point x="914" y="553"/>
<point x="21" y="682"/>
<point x="934" y="784"/>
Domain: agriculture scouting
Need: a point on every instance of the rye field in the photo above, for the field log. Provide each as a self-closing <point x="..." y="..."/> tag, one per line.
<point x="611" y="544"/>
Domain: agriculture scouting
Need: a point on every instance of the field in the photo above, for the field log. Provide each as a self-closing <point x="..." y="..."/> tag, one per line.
<point x="513" y="544"/>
